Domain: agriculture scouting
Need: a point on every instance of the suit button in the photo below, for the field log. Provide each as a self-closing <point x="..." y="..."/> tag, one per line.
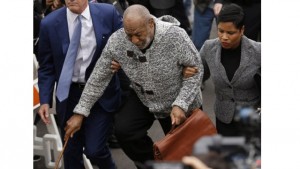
<point x="232" y="100"/>
<point x="230" y="87"/>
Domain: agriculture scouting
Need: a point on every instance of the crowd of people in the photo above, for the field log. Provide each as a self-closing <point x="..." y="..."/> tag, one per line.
<point x="122" y="72"/>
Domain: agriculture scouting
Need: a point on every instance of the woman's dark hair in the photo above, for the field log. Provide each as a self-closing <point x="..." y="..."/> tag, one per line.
<point x="232" y="13"/>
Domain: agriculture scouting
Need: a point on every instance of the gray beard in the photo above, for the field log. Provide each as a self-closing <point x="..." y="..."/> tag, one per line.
<point x="148" y="41"/>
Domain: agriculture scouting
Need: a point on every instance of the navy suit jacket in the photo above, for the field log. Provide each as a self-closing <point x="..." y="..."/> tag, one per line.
<point x="53" y="46"/>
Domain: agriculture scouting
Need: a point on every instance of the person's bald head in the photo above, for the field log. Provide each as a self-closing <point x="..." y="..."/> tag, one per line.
<point x="136" y="12"/>
<point x="139" y="25"/>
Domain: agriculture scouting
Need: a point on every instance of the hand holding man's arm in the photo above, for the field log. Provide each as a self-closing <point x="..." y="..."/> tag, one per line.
<point x="189" y="71"/>
<point x="115" y="66"/>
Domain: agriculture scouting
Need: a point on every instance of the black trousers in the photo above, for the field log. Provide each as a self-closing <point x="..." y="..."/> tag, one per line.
<point x="252" y="21"/>
<point x="132" y="123"/>
<point x="230" y="129"/>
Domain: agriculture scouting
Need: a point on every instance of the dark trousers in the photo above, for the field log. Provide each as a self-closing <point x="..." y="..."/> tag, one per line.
<point x="253" y="21"/>
<point x="131" y="126"/>
<point x="92" y="136"/>
<point x="230" y="129"/>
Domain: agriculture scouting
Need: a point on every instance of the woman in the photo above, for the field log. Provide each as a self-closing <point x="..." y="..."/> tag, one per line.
<point x="234" y="62"/>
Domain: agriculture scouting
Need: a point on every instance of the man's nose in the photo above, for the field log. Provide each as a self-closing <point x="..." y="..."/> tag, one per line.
<point x="134" y="40"/>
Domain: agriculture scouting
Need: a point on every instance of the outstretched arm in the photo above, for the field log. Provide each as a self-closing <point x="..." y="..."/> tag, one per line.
<point x="93" y="90"/>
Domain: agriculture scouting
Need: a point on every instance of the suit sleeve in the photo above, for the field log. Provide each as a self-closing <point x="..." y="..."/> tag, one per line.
<point x="117" y="19"/>
<point x="202" y="54"/>
<point x="46" y="71"/>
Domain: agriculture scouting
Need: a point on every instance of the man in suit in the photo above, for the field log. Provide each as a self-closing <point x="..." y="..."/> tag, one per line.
<point x="98" y="22"/>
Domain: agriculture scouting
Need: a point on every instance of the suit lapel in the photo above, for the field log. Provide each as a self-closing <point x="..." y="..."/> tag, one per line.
<point x="245" y="54"/>
<point x="61" y="27"/>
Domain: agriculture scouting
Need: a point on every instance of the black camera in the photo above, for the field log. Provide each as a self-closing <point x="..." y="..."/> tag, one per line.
<point x="238" y="152"/>
<point x="248" y="120"/>
<point x="232" y="152"/>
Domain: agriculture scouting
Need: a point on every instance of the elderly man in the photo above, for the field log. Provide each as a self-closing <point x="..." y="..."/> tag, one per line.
<point x="152" y="53"/>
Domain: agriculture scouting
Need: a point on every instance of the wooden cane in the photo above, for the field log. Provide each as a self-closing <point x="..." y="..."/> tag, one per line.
<point x="61" y="153"/>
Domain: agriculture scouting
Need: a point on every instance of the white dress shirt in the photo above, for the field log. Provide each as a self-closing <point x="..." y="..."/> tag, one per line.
<point x="87" y="45"/>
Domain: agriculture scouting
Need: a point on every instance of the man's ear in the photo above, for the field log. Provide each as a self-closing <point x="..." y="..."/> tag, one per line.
<point x="151" y="22"/>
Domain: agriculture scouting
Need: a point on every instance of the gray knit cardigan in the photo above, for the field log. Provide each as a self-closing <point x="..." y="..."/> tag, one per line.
<point x="156" y="75"/>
